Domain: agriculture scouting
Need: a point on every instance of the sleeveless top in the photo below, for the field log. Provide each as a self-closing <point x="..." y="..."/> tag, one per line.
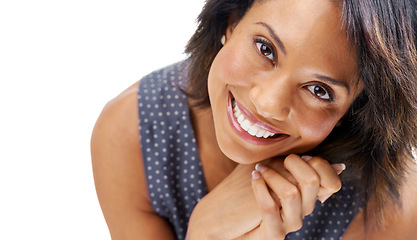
<point x="174" y="172"/>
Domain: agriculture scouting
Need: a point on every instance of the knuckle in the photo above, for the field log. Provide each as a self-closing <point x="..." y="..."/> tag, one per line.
<point x="317" y="162"/>
<point x="312" y="180"/>
<point x="335" y="185"/>
<point x="338" y="185"/>
<point x="292" y="193"/>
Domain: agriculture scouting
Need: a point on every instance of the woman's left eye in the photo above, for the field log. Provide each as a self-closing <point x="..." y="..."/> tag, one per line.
<point x="321" y="92"/>
<point x="265" y="49"/>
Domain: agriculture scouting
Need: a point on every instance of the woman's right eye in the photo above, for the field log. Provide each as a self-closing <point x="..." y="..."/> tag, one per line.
<point x="265" y="49"/>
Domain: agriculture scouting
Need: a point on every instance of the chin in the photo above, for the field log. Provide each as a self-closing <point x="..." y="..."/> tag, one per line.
<point x="239" y="154"/>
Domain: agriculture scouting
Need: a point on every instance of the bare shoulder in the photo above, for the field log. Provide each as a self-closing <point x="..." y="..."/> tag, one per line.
<point x="118" y="172"/>
<point x="400" y="224"/>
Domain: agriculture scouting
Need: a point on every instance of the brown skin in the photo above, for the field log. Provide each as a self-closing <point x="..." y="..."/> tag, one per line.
<point x="122" y="191"/>
<point x="119" y="175"/>
<point x="116" y="154"/>
<point x="277" y="92"/>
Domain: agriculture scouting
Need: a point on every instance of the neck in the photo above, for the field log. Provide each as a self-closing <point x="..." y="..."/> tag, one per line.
<point x="216" y="166"/>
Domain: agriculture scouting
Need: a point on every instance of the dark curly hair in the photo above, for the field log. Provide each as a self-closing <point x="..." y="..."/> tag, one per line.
<point x="379" y="131"/>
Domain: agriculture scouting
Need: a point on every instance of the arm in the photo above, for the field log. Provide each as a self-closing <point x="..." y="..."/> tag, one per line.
<point x="399" y="224"/>
<point x="119" y="175"/>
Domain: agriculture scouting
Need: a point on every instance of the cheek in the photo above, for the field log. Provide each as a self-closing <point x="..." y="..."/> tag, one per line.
<point x="313" y="129"/>
<point x="231" y="66"/>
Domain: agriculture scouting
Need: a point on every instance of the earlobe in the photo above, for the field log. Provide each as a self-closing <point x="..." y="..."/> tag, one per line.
<point x="226" y="36"/>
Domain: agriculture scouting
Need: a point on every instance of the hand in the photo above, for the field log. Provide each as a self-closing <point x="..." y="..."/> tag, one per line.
<point x="228" y="211"/>
<point x="231" y="210"/>
<point x="295" y="189"/>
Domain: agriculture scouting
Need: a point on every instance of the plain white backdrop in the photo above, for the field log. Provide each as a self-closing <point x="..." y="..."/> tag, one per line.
<point x="60" y="62"/>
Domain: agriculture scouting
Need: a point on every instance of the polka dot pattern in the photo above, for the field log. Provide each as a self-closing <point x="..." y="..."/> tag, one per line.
<point x="173" y="168"/>
<point x="172" y="164"/>
<point x="330" y="219"/>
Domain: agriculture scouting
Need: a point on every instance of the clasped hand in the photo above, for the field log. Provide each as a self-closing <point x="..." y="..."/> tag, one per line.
<point x="268" y="205"/>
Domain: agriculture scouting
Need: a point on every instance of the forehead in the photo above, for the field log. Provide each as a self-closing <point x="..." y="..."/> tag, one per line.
<point x="311" y="31"/>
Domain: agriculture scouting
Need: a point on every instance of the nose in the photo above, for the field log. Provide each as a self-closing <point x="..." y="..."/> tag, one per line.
<point x="272" y="99"/>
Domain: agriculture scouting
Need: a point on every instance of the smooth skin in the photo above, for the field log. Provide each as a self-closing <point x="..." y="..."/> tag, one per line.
<point x="274" y="80"/>
<point x="295" y="183"/>
<point x="122" y="191"/>
<point x="278" y="84"/>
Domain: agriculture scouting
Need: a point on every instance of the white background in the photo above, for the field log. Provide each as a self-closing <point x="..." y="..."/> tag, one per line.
<point x="60" y="62"/>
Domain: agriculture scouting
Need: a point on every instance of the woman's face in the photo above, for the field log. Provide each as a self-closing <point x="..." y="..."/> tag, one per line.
<point x="284" y="78"/>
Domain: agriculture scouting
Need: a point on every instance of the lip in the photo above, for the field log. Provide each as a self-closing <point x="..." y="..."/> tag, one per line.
<point x="248" y="115"/>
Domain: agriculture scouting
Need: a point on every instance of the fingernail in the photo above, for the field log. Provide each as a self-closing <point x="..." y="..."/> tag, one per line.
<point x="260" y="167"/>
<point x="324" y="198"/>
<point x="255" y="175"/>
<point x="306" y="157"/>
<point x="339" y="166"/>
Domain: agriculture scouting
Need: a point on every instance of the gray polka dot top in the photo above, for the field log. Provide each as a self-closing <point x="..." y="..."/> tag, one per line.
<point x="173" y="168"/>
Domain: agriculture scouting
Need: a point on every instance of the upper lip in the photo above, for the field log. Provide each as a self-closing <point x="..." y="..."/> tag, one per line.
<point x="261" y="124"/>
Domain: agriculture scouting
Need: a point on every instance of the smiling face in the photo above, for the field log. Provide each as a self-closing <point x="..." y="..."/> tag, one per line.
<point x="284" y="78"/>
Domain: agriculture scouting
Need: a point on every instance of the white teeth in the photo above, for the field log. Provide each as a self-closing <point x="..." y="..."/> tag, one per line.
<point x="235" y="109"/>
<point x="267" y="134"/>
<point x="248" y="126"/>
<point x="260" y="133"/>
<point x="235" y="113"/>
<point x="253" y="130"/>
<point x="240" y="119"/>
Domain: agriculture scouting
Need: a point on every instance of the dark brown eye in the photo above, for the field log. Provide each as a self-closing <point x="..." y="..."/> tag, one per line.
<point x="320" y="92"/>
<point x="265" y="50"/>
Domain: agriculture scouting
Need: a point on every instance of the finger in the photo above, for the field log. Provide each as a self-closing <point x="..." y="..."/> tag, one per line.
<point x="272" y="224"/>
<point x="289" y="196"/>
<point x="278" y="166"/>
<point x="308" y="181"/>
<point x="329" y="179"/>
<point x="339" y="167"/>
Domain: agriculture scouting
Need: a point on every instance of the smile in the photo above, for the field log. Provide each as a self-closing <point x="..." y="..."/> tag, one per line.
<point x="249" y="128"/>
<point x="247" y="125"/>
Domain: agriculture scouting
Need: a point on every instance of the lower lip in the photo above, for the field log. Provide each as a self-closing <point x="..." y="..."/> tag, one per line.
<point x="245" y="135"/>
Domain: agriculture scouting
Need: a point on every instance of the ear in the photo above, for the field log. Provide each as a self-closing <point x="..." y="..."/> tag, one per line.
<point x="229" y="31"/>
<point x="231" y="24"/>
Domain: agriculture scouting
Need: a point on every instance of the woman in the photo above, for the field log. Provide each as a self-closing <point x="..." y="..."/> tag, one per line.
<point x="270" y="83"/>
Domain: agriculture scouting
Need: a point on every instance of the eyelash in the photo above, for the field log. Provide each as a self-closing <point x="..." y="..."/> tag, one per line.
<point x="267" y="44"/>
<point x="327" y="89"/>
<point x="264" y="42"/>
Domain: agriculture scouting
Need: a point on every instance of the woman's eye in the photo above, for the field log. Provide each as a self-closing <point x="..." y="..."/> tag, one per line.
<point x="320" y="92"/>
<point x="265" y="50"/>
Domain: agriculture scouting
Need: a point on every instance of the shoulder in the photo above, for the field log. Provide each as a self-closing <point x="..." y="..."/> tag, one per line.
<point x="116" y="126"/>
<point x="115" y="147"/>
<point x="118" y="171"/>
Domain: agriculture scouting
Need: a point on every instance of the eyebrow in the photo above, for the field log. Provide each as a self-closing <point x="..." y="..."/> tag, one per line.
<point x="274" y="35"/>
<point x="319" y="76"/>
<point x="333" y="81"/>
